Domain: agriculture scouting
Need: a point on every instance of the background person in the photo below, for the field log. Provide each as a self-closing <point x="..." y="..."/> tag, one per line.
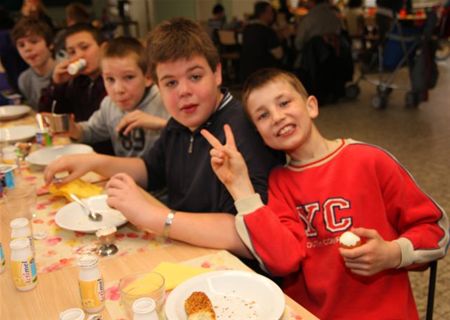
<point x="82" y="93"/>
<point x="33" y="39"/>
<point x="321" y="19"/>
<point x="261" y="47"/>
<point x="132" y="114"/>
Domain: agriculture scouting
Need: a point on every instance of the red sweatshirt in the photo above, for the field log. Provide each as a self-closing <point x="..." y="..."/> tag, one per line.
<point x="310" y="206"/>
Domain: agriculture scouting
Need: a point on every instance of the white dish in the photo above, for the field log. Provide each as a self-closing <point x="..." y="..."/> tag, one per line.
<point x="18" y="133"/>
<point x="73" y="217"/>
<point x="236" y="295"/>
<point x="44" y="156"/>
<point x="13" y="112"/>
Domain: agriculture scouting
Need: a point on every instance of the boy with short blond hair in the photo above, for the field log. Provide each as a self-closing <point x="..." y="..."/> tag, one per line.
<point x="132" y="115"/>
<point x="33" y="39"/>
<point x="327" y="188"/>
<point x="185" y="65"/>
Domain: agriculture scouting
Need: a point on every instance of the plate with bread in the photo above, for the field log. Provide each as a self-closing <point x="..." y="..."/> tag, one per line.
<point x="226" y="294"/>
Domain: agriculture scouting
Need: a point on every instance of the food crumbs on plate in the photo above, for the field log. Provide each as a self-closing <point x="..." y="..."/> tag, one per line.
<point x="234" y="307"/>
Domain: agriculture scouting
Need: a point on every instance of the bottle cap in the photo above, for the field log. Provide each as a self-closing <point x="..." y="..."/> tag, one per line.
<point x="87" y="260"/>
<point x="72" y="314"/>
<point x="9" y="149"/>
<point x="144" y="305"/>
<point x="20" y="243"/>
<point x="19" y="223"/>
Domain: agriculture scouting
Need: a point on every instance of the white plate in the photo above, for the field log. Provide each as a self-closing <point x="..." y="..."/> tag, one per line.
<point x="13" y="112"/>
<point x="73" y="217"/>
<point x="236" y="295"/>
<point x="44" y="156"/>
<point x="18" y="133"/>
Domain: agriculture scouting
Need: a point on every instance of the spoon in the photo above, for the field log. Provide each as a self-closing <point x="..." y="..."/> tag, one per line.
<point x="94" y="216"/>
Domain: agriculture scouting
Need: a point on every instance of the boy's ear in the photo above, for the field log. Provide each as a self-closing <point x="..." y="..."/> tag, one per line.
<point x="312" y="105"/>
<point x="103" y="45"/>
<point x="148" y="80"/>
<point x="218" y="74"/>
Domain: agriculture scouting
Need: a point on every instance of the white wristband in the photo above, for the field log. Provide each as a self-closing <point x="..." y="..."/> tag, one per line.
<point x="168" y="223"/>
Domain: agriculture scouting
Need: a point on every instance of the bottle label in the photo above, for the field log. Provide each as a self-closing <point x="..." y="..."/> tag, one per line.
<point x="2" y="258"/>
<point x="92" y="293"/>
<point x="30" y="238"/>
<point x="24" y="273"/>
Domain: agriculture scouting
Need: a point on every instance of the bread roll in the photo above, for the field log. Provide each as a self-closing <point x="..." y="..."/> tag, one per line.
<point x="199" y="307"/>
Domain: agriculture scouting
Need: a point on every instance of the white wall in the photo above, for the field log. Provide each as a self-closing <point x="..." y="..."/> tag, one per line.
<point x="241" y="7"/>
<point x="140" y="11"/>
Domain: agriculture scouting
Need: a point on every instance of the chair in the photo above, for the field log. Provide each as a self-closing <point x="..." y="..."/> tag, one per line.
<point x="431" y="290"/>
<point x="230" y="53"/>
<point x="431" y="286"/>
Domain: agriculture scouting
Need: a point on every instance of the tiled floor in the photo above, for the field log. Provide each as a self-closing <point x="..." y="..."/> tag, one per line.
<point x="420" y="139"/>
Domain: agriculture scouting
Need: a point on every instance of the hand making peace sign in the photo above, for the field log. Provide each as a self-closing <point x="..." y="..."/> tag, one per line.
<point x="228" y="164"/>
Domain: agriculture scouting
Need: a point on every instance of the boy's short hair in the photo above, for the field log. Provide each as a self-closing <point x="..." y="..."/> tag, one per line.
<point x="125" y="46"/>
<point x="179" y="38"/>
<point x="264" y="76"/>
<point x="28" y="26"/>
<point x="85" y="27"/>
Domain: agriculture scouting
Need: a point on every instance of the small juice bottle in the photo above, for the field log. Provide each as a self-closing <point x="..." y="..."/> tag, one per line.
<point x="76" y="66"/>
<point x="20" y="228"/>
<point x="23" y="266"/>
<point x="92" y="289"/>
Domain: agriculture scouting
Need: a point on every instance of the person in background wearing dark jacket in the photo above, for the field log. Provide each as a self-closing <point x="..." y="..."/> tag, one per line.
<point x="10" y="59"/>
<point x="321" y="19"/>
<point x="261" y="47"/>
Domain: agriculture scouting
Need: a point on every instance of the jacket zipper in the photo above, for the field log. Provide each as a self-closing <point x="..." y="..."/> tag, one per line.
<point x="191" y="144"/>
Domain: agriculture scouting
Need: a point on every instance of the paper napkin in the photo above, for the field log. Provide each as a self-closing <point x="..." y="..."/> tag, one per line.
<point x="175" y="273"/>
<point x="80" y="188"/>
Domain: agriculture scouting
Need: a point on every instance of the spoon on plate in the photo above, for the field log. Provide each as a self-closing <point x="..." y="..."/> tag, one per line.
<point x="94" y="216"/>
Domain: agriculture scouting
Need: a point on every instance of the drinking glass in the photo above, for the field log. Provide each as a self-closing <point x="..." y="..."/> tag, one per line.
<point x="150" y="285"/>
<point x="21" y="201"/>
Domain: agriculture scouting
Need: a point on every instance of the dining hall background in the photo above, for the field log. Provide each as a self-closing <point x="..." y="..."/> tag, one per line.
<point x="419" y="137"/>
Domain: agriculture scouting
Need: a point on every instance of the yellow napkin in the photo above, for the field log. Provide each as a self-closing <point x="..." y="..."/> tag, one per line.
<point x="80" y="188"/>
<point x="175" y="273"/>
